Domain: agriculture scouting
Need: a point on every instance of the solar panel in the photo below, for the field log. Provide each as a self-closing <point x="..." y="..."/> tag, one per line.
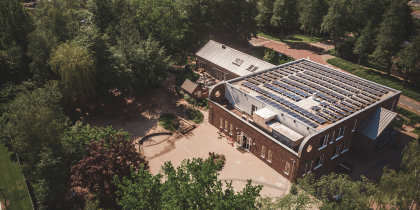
<point x="327" y="98"/>
<point x="349" y="105"/>
<point x="331" y="113"/>
<point x="358" y="100"/>
<point x="252" y="81"/>
<point x="316" y="108"/>
<point x="365" y="98"/>
<point x="343" y="108"/>
<point x="287" y="87"/>
<point x="337" y="110"/>
<point x="325" y="117"/>
<point x="354" y="103"/>
<point x="369" y="95"/>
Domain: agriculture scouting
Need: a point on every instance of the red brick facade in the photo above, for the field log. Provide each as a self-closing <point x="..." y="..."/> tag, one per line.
<point x="282" y="154"/>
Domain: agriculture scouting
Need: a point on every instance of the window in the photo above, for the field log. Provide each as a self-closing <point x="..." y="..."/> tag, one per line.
<point x="332" y="137"/>
<point x="318" y="161"/>
<point x="221" y="122"/>
<point x="238" y="62"/>
<point x="231" y="129"/>
<point x="250" y="67"/>
<point x="263" y="151"/>
<point x="323" y="142"/>
<point x="287" y="168"/>
<point x="254" y="108"/>
<point x="255" y="69"/>
<point x="335" y="152"/>
<point x="226" y="125"/>
<point x="341" y="132"/>
<point x="308" y="167"/>
<point x="270" y="156"/>
<point x="354" y="127"/>
<point x="393" y="105"/>
<point x="346" y="146"/>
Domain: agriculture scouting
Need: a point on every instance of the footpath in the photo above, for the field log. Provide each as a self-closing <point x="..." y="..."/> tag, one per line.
<point x="317" y="52"/>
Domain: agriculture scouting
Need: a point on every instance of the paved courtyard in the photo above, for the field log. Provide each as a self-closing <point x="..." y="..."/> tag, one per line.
<point x="239" y="166"/>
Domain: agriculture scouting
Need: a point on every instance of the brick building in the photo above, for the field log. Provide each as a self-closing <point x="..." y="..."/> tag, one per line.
<point x="299" y="116"/>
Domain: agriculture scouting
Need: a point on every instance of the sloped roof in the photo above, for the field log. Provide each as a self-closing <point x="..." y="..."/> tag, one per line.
<point x="224" y="57"/>
<point x="189" y="86"/>
<point x="377" y="121"/>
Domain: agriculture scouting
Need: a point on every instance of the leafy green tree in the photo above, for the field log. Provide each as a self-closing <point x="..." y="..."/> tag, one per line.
<point x="355" y="194"/>
<point x="312" y="15"/>
<point x="408" y="60"/>
<point x="265" y="12"/>
<point x="285" y="15"/>
<point x="296" y="200"/>
<point x="400" y="189"/>
<point x="193" y="185"/>
<point x="394" y="27"/>
<point x="365" y="41"/>
<point x="75" y="68"/>
<point x="336" y="21"/>
<point x="77" y="139"/>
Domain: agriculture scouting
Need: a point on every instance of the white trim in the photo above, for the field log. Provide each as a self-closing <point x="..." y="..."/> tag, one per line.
<point x="344" y="151"/>
<point x="332" y="138"/>
<point x="322" y="147"/>
<point x="339" y="138"/>
<point x="354" y="127"/>
<point x="318" y="166"/>
<point x="334" y="156"/>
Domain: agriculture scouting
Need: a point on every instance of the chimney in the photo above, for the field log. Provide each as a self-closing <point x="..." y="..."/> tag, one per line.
<point x="223" y="46"/>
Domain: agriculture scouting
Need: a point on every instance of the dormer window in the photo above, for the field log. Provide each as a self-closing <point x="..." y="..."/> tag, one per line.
<point x="238" y="62"/>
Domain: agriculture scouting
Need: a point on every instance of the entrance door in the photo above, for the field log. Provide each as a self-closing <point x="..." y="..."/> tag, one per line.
<point x="198" y="94"/>
<point x="253" y="109"/>
<point x="246" y="142"/>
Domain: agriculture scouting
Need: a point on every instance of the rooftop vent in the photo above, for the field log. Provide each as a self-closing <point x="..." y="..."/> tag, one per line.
<point x="238" y="62"/>
<point x="223" y="46"/>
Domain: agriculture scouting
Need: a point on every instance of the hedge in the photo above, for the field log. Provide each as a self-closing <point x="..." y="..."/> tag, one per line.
<point x="195" y="115"/>
<point x="168" y="121"/>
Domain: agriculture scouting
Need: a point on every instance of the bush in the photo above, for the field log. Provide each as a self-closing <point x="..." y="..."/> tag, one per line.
<point x="181" y="77"/>
<point x="218" y="159"/>
<point x="168" y="121"/>
<point x="195" y="115"/>
<point x="412" y="118"/>
<point x="200" y="102"/>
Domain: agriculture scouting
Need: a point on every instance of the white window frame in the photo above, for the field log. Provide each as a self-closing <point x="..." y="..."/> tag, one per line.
<point x="263" y="151"/>
<point x="332" y="137"/>
<point x="342" y="130"/>
<point x="270" y="156"/>
<point x="226" y="125"/>
<point x="287" y="168"/>
<point x="325" y="142"/>
<point x="346" y="144"/>
<point x="354" y="127"/>
<point x="320" y="160"/>
<point x="231" y="129"/>
<point x="306" y="168"/>
<point x="393" y="105"/>
<point x="221" y="123"/>
<point x="337" y="152"/>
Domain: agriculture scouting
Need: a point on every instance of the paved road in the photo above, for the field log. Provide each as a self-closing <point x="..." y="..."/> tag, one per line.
<point x="409" y="104"/>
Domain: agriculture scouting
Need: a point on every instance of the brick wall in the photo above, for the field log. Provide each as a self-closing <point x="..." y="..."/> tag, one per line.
<point x="280" y="154"/>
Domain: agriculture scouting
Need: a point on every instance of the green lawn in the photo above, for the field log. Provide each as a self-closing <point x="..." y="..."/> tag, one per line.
<point x="411" y="90"/>
<point x="294" y="38"/>
<point x="12" y="183"/>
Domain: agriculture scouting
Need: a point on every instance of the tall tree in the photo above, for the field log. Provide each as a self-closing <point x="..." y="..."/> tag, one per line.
<point x="355" y="194"/>
<point x="364" y="43"/>
<point x="75" y="68"/>
<point x="193" y="185"/>
<point x="408" y="60"/>
<point x="101" y="167"/>
<point x="312" y="15"/>
<point x="295" y="200"/>
<point x="285" y="15"/>
<point x="394" y="27"/>
<point x="336" y="21"/>
<point x="401" y="189"/>
<point x="265" y="12"/>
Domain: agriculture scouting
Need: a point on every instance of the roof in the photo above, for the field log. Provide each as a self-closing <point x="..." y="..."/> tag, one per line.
<point x="189" y="86"/>
<point x="377" y="121"/>
<point x="286" y="131"/>
<point x="265" y="113"/>
<point x="225" y="58"/>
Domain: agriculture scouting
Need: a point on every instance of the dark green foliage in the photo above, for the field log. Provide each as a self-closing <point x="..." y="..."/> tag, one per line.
<point x="271" y="56"/>
<point x="193" y="185"/>
<point x="397" y="123"/>
<point x="78" y="137"/>
<point x="200" y="102"/>
<point x="285" y="15"/>
<point x="181" y="77"/>
<point x="195" y="115"/>
<point x="412" y="117"/>
<point x="169" y="121"/>
<point x="411" y="90"/>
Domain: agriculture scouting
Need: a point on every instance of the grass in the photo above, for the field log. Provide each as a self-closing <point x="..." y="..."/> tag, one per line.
<point x="12" y="182"/>
<point x="195" y="115"/>
<point x="411" y="90"/>
<point x="415" y="8"/>
<point x="169" y="121"/>
<point x="411" y="117"/>
<point x="294" y="38"/>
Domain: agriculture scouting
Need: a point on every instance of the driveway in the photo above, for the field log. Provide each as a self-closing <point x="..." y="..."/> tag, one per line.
<point x="239" y="166"/>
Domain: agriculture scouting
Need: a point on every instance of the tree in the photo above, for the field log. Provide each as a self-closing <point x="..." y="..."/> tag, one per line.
<point x="408" y="60"/>
<point x="296" y="200"/>
<point x="265" y="12"/>
<point x="365" y="41"/>
<point x="400" y="189"/>
<point x="392" y="31"/>
<point x="312" y="15"/>
<point x="285" y="15"/>
<point x="75" y="68"/>
<point x="336" y="21"/>
<point x="193" y="185"/>
<point x="97" y="169"/>
<point x="355" y="194"/>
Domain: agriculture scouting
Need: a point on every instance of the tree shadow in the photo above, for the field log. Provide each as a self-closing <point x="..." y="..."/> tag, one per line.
<point x="305" y="46"/>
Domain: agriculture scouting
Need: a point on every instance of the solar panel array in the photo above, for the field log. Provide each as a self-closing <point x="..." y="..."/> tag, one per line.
<point x="332" y="81"/>
<point x="354" y="103"/>
<point x="332" y="113"/>
<point x="343" y="108"/>
<point x="276" y="74"/>
<point x="292" y="96"/>
<point x="310" y="90"/>
<point x="370" y="96"/>
<point x="345" y="76"/>
<point x="325" y="116"/>
<point x="324" y="84"/>
<point x="259" y="80"/>
<point x="365" y="98"/>
<point x="349" y="105"/>
<point x="252" y="81"/>
<point x="287" y="87"/>
<point x="264" y="77"/>
<point x="281" y="72"/>
<point x="271" y="76"/>
<point x="337" y="110"/>
<point x="359" y="100"/>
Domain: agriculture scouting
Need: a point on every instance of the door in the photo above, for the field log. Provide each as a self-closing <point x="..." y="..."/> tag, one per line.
<point x="253" y="109"/>
<point x="248" y="144"/>
<point x="198" y="94"/>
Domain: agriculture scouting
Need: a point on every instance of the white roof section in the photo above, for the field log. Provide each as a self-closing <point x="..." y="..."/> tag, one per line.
<point x="377" y="122"/>
<point x="266" y="114"/>
<point x="286" y="131"/>
<point x="224" y="57"/>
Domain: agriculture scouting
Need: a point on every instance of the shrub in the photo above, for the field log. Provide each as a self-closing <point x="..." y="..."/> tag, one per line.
<point x="181" y="77"/>
<point x="201" y="102"/>
<point x="195" y="115"/>
<point x="412" y="117"/>
<point x="168" y="121"/>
